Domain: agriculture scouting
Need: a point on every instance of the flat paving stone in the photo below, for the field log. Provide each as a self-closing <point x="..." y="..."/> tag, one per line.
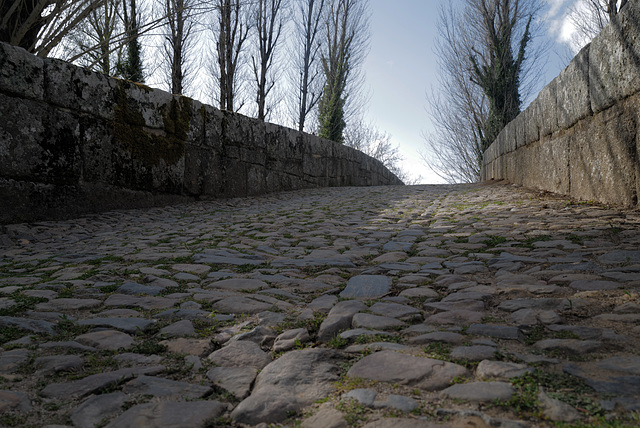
<point x="68" y="304"/>
<point x="438" y="336"/>
<point x="181" y="345"/>
<point x="473" y="352"/>
<point x="488" y="369"/>
<point x="366" y="286"/>
<point x="480" y="391"/>
<point x="169" y="414"/>
<point x="98" y="408"/>
<point x="127" y="325"/>
<point x="166" y="388"/>
<point x="459" y="317"/>
<point x="239" y="284"/>
<point x="14" y="401"/>
<point x="394" y="367"/>
<point x="395" y="310"/>
<point x="236" y="380"/>
<point x="58" y="363"/>
<point x="240" y="353"/>
<point x="288" y="384"/>
<point x="376" y="322"/>
<point x="11" y="361"/>
<point x="94" y="383"/>
<point x="110" y="340"/>
<point x="144" y="303"/>
<point x="241" y="305"/>
<point x="32" y="325"/>
<point x="497" y="331"/>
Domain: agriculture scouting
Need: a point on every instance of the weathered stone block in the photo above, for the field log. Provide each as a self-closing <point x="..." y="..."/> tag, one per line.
<point x="614" y="59"/>
<point x="602" y="162"/>
<point x="76" y="88"/>
<point x="573" y="91"/>
<point x="202" y="171"/>
<point x="518" y="129"/>
<point x="97" y="150"/>
<point x="545" y="164"/>
<point x="256" y="182"/>
<point x="142" y="106"/>
<point x="531" y="116"/>
<point x="21" y="74"/>
<point x="38" y="143"/>
<point x="548" y="115"/>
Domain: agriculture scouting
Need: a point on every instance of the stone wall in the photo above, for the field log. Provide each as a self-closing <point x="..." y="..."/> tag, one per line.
<point x="74" y="141"/>
<point x="580" y="136"/>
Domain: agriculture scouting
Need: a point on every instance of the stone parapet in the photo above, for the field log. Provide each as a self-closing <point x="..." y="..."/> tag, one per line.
<point x="580" y="136"/>
<point x="74" y="141"/>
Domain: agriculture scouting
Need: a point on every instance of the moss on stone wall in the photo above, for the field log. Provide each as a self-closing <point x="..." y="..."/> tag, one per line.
<point x="151" y="146"/>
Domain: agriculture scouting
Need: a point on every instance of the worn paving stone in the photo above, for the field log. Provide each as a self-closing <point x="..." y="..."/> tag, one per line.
<point x="326" y="417"/>
<point x="240" y="353"/>
<point x="497" y="331"/>
<point x="289" y="383"/>
<point x="14" y="401"/>
<point x="181" y="345"/>
<point x="473" y="352"/>
<point x="144" y="303"/>
<point x="394" y="367"/>
<point x="459" y="317"/>
<point x="291" y="339"/>
<point x="362" y="395"/>
<point x="570" y="345"/>
<point x="98" y="408"/>
<point x="239" y="284"/>
<point x="159" y="387"/>
<point x="58" y="363"/>
<point x="169" y="414"/>
<point x="438" y="336"/>
<point x="397" y="402"/>
<point x="127" y="325"/>
<point x="11" y="361"/>
<point x="183" y="328"/>
<point x="94" y="383"/>
<point x="241" y="305"/>
<point x="396" y="310"/>
<point x="65" y="304"/>
<point x="339" y="319"/>
<point x="379" y="322"/>
<point x="488" y="369"/>
<point x="480" y="391"/>
<point x="110" y="340"/>
<point x="366" y="287"/>
<point x="236" y="380"/>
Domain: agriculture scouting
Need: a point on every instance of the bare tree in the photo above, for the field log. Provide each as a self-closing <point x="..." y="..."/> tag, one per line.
<point x="459" y="110"/>
<point x="269" y="23"/>
<point x="589" y="17"/>
<point x="40" y="25"/>
<point x="230" y="29"/>
<point x="485" y="70"/>
<point x="371" y="141"/>
<point x="178" y="34"/>
<point x="94" y="40"/>
<point x="305" y="73"/>
<point x="344" y="50"/>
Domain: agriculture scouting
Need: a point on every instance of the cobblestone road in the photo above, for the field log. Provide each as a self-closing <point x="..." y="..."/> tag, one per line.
<point x="418" y="306"/>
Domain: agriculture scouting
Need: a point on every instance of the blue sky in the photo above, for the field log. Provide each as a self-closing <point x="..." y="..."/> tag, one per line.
<point x="402" y="66"/>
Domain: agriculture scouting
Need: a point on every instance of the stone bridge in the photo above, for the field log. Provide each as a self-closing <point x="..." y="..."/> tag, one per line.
<point x="395" y="306"/>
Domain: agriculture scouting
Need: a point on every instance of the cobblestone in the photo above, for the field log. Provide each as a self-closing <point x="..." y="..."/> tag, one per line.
<point x="431" y="299"/>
